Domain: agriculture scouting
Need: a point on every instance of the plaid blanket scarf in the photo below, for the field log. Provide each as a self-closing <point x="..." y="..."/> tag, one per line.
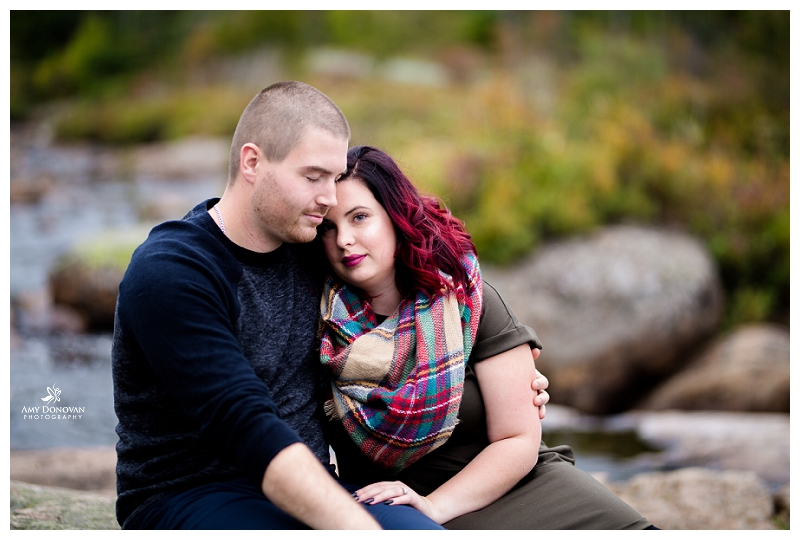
<point x="397" y="386"/>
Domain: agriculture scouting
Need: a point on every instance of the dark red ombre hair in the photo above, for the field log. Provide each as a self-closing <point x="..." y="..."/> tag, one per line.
<point x="429" y="237"/>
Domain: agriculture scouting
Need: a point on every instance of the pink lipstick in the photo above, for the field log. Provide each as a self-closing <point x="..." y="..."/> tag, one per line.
<point x="352" y="260"/>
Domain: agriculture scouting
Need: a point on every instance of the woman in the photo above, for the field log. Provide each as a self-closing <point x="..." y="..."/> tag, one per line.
<point x="431" y="373"/>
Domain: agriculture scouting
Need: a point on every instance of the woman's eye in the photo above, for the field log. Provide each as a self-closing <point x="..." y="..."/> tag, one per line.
<point x="359" y="217"/>
<point x="324" y="227"/>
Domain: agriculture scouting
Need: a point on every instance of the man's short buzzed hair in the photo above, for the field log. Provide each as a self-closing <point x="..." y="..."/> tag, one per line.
<point x="277" y="117"/>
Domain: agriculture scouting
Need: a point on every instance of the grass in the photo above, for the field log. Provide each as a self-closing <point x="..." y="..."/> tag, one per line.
<point x="39" y="508"/>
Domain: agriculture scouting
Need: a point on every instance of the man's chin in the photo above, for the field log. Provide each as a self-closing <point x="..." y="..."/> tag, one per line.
<point x="302" y="235"/>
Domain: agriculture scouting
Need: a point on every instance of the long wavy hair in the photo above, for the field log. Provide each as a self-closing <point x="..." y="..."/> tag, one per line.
<point x="429" y="237"/>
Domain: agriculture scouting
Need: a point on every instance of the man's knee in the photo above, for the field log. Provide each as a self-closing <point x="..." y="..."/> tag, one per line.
<point x="401" y="517"/>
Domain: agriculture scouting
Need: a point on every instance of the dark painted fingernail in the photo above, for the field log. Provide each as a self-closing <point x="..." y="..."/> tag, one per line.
<point x="369" y="500"/>
<point x="390" y="501"/>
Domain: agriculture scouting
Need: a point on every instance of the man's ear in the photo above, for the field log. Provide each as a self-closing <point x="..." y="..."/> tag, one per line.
<point x="249" y="158"/>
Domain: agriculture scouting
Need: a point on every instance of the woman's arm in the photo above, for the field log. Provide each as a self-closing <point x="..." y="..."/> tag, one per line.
<point x="514" y="432"/>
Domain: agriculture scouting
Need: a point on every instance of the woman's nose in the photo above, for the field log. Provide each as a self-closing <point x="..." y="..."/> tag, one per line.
<point x="344" y="238"/>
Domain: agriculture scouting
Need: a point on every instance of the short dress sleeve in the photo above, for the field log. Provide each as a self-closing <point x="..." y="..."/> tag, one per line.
<point x="499" y="330"/>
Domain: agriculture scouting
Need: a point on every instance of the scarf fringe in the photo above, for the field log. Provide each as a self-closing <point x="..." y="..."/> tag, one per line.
<point x="330" y="410"/>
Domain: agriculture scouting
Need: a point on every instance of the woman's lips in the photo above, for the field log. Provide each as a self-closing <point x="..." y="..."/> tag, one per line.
<point x="352" y="260"/>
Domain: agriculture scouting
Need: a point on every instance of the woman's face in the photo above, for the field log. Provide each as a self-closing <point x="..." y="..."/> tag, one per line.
<point x="359" y="239"/>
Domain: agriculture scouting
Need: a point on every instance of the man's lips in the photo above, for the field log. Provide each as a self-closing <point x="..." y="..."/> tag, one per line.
<point x="352" y="260"/>
<point x="317" y="219"/>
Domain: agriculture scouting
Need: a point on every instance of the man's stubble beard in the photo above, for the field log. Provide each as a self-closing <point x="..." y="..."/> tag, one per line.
<point x="279" y="223"/>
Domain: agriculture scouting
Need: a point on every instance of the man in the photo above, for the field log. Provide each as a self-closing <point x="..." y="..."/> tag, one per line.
<point x="215" y="349"/>
<point x="215" y="353"/>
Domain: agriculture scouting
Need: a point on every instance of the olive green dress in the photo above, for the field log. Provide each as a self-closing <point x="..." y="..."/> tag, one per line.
<point x="554" y="495"/>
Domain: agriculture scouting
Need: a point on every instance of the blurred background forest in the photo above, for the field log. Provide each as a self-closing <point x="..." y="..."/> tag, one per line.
<point x="531" y="125"/>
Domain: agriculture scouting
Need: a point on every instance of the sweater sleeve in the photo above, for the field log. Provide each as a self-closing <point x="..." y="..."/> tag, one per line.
<point x="499" y="330"/>
<point x="180" y="305"/>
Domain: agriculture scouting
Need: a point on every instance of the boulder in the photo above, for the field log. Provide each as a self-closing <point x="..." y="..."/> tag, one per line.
<point x="90" y="291"/>
<point x="700" y="499"/>
<point x="47" y="508"/>
<point x="746" y="370"/>
<point x="617" y="311"/>
<point x="86" y="278"/>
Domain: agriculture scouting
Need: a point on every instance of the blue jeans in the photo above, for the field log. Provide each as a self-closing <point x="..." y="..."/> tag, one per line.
<point x="237" y="504"/>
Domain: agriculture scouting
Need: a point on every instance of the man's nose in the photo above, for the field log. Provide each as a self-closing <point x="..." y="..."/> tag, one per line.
<point x="327" y="194"/>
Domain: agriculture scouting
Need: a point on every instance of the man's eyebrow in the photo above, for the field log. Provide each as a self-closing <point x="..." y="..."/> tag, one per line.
<point x="316" y="168"/>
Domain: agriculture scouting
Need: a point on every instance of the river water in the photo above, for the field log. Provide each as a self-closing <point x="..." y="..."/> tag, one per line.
<point x="78" y="192"/>
<point x="82" y="198"/>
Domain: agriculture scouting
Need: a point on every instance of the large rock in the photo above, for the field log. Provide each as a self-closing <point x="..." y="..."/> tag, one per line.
<point x="86" y="278"/>
<point x="747" y="370"/>
<point x="90" y="292"/>
<point x="617" y="311"/>
<point x="700" y="499"/>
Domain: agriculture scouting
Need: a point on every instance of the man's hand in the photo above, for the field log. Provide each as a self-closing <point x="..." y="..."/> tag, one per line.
<point x="297" y="483"/>
<point x="539" y="385"/>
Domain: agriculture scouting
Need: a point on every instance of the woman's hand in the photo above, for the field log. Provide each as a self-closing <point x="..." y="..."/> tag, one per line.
<point x="396" y="493"/>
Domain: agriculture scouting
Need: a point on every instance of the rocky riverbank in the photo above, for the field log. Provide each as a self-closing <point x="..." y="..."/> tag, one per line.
<point x="74" y="489"/>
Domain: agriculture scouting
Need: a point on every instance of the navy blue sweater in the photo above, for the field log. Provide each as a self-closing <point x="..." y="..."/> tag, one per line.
<point x="215" y="361"/>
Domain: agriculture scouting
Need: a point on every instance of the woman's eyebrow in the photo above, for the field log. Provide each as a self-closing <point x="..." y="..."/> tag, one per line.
<point x="354" y="209"/>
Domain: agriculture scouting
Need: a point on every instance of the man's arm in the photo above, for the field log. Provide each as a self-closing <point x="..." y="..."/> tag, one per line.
<point x="299" y="485"/>
<point x="181" y="311"/>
